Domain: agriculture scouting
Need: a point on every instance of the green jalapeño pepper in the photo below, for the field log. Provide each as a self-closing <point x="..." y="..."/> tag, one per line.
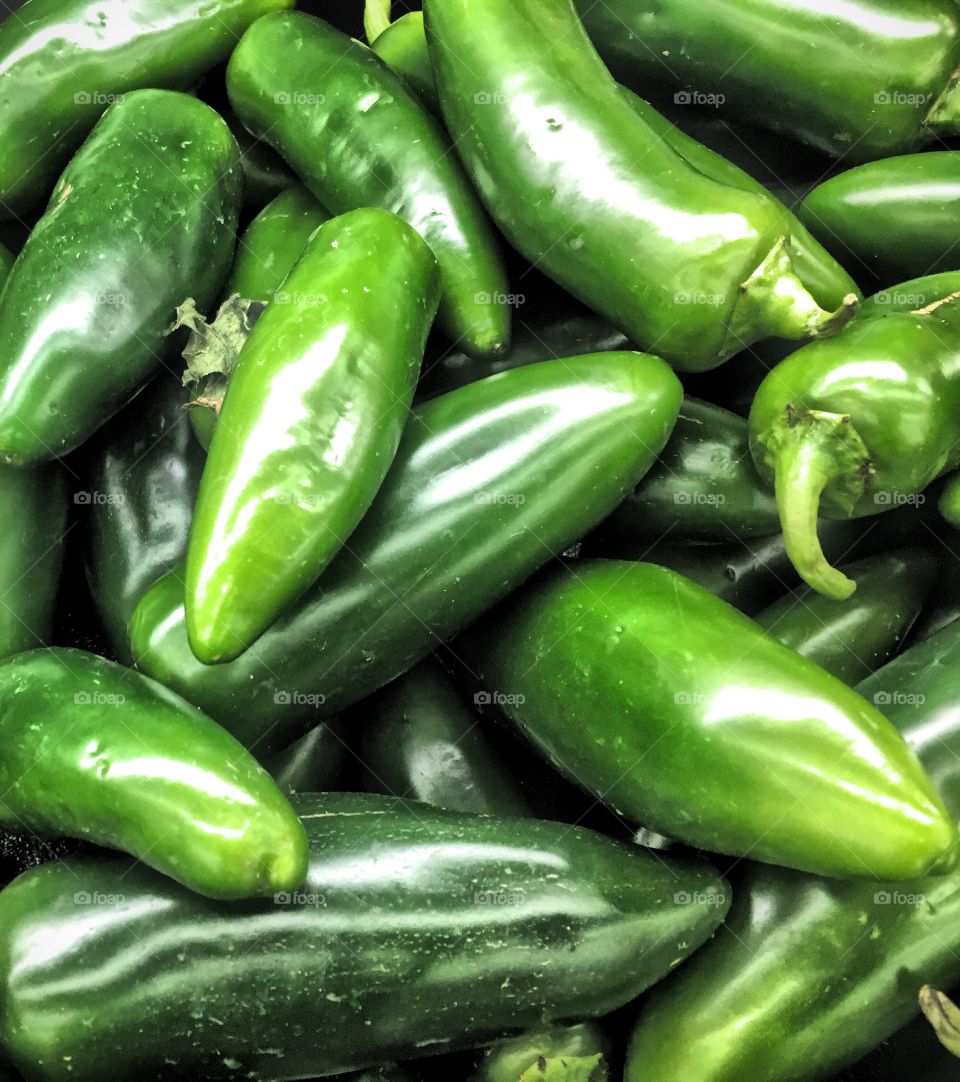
<point x="704" y="486"/>
<point x="98" y="752"/>
<point x="809" y="974"/>
<point x="852" y="638"/>
<point x="62" y="63"/>
<point x="143" y="216"/>
<point x="488" y="482"/>
<point x="858" y="80"/>
<point x="309" y="426"/>
<point x="358" y="137"/>
<point x="423" y="742"/>
<point x="272" y="243"/>
<point x="684" y="716"/>
<point x="141" y="479"/>
<point x="312" y="764"/>
<point x="889" y="217"/>
<point x="33" y="506"/>
<point x="859" y="425"/>
<point x="417" y="931"/>
<point x="595" y="196"/>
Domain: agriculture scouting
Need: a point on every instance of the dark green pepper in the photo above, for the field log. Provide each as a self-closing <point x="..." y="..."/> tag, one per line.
<point x="312" y="764"/>
<point x="547" y="1054"/>
<point x="489" y="481"/>
<point x="852" y="638"/>
<point x="423" y="742"/>
<point x="597" y="198"/>
<point x="265" y="174"/>
<point x="858" y="80"/>
<point x="417" y="931"/>
<point x="809" y="974"/>
<point x="891" y="217"/>
<point x="358" y="137"/>
<point x="62" y="63"/>
<point x="143" y="216"/>
<point x="141" y="479"/>
<point x="859" y="425"/>
<point x="99" y="752"/>
<point x="685" y="717"/>
<point x="33" y="507"/>
<point x="704" y="486"/>
<point x="310" y="423"/>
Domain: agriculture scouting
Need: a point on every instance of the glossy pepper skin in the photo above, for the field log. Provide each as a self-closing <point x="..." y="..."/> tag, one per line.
<point x="393" y="927"/>
<point x="704" y="486"/>
<point x="140" y="483"/>
<point x="272" y="243"/>
<point x="33" y="507"/>
<point x="357" y="137"/>
<point x="852" y="638"/>
<point x="856" y="953"/>
<point x="143" y="216"/>
<point x="482" y="491"/>
<point x="310" y="423"/>
<point x="99" y="752"/>
<point x="859" y="425"/>
<point x="860" y="81"/>
<point x="891" y="217"/>
<point x="403" y="46"/>
<point x="62" y="63"/>
<point x="312" y="764"/>
<point x="421" y="741"/>
<point x="590" y="192"/>
<point x="685" y="717"/>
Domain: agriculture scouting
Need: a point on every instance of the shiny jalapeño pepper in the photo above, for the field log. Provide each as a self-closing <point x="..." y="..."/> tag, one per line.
<point x="310" y="423"/>
<point x="62" y="62"/>
<point x="858" y="80"/>
<point x="892" y="217"/>
<point x="489" y="480"/>
<point x="102" y="753"/>
<point x="854" y="954"/>
<point x="859" y="425"/>
<point x="417" y="931"/>
<point x="586" y="188"/>
<point x="685" y="717"/>
<point x="357" y="136"/>
<point x="143" y="217"/>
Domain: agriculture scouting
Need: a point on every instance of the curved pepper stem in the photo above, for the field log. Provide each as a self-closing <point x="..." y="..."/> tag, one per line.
<point x="774" y="302"/>
<point x="376" y="18"/>
<point x="809" y="450"/>
<point x="943" y="1015"/>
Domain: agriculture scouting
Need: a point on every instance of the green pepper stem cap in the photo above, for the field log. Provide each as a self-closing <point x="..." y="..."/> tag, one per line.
<point x="567" y="1069"/>
<point x="809" y="450"/>
<point x="774" y="303"/>
<point x="944" y="116"/>
<point x="376" y="18"/>
<point x="943" y="1015"/>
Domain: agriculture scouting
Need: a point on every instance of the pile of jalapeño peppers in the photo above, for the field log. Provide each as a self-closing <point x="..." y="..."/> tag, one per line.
<point x="480" y="580"/>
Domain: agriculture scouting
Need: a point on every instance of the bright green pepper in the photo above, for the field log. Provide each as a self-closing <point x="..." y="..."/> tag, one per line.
<point x="547" y="1054"/>
<point x="489" y="481"/>
<point x="859" y="425"/>
<point x="33" y="506"/>
<point x="704" y="486"/>
<point x="424" y="743"/>
<point x="890" y="217"/>
<point x="809" y="974"/>
<point x="143" y="216"/>
<point x="310" y="423"/>
<point x="858" y="80"/>
<point x="141" y="479"/>
<point x="62" y="63"/>
<point x="403" y="46"/>
<point x="417" y="931"/>
<point x="101" y="753"/>
<point x="358" y="137"/>
<point x="852" y="638"/>
<point x="684" y="716"/>
<point x="597" y="198"/>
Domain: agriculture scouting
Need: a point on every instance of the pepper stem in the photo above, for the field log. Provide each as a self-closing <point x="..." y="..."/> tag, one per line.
<point x="943" y="1015"/>
<point x="567" y="1069"/>
<point x="774" y="303"/>
<point x="808" y="451"/>
<point x="376" y="18"/>
<point x="944" y="117"/>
